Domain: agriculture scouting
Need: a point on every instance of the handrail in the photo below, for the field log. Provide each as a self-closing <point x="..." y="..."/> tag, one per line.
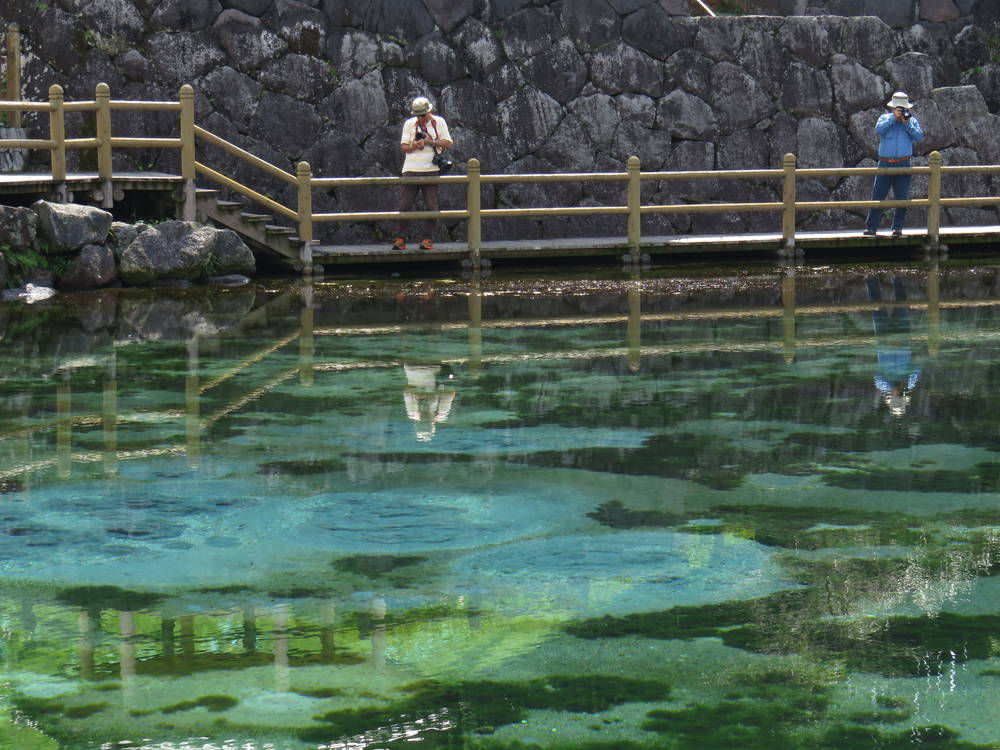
<point x="788" y="205"/>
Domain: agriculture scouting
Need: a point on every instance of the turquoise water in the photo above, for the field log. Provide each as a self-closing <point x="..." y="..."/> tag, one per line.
<point x="754" y="509"/>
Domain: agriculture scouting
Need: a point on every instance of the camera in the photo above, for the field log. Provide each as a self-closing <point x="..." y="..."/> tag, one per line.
<point x="420" y="135"/>
<point x="905" y="113"/>
<point x="442" y="162"/>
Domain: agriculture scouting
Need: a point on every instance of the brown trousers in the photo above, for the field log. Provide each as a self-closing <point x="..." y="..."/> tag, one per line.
<point x="408" y="196"/>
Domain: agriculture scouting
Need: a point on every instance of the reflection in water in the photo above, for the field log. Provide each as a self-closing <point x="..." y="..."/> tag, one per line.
<point x="897" y="374"/>
<point x="428" y="401"/>
<point x="665" y="513"/>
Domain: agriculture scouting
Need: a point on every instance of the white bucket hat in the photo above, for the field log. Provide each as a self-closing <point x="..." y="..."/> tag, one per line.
<point x="899" y="99"/>
<point x="420" y="106"/>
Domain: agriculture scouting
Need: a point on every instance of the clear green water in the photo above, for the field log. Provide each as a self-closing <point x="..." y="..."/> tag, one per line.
<point x="750" y="510"/>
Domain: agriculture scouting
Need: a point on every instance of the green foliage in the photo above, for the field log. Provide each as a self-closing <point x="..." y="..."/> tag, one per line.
<point x="480" y="707"/>
<point x="993" y="46"/>
<point x="730" y="8"/>
<point x="21" y="262"/>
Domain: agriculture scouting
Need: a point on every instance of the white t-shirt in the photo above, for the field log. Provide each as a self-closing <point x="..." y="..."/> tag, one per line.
<point x="420" y="160"/>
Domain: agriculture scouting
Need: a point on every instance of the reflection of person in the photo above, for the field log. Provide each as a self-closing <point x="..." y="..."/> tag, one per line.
<point x="897" y="131"/>
<point x="896" y="374"/>
<point x="424" y="135"/>
<point x="427" y="403"/>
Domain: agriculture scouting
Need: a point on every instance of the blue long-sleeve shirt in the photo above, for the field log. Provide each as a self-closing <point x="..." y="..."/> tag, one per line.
<point x="895" y="138"/>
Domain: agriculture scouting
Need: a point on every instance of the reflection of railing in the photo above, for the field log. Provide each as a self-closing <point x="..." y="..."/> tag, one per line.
<point x="632" y="350"/>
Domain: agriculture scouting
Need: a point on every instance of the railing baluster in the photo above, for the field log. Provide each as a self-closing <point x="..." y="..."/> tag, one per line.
<point x="788" y="199"/>
<point x="102" y="95"/>
<point x="303" y="174"/>
<point x="188" y="171"/>
<point x="57" y="132"/>
<point x="934" y="196"/>
<point x="634" y="201"/>
<point x="473" y="204"/>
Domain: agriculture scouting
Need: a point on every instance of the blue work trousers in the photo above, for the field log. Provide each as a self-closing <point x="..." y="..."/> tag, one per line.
<point x="900" y="186"/>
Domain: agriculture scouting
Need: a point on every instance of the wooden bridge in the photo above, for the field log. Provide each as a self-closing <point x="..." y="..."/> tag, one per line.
<point x="287" y="232"/>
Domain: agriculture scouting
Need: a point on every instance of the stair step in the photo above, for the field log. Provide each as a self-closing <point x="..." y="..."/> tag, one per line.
<point x="228" y="205"/>
<point x="255" y="218"/>
<point x="272" y="229"/>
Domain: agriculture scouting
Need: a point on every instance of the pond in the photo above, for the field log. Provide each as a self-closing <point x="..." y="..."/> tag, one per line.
<point x="707" y="508"/>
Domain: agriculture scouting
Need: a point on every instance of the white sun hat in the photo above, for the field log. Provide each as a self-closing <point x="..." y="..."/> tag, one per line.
<point x="899" y="99"/>
<point x="420" y="106"/>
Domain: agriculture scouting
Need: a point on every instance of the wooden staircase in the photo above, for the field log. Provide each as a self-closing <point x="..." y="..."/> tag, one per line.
<point x="279" y="244"/>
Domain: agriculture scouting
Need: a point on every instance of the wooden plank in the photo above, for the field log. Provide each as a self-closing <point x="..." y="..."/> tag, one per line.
<point x="661" y="245"/>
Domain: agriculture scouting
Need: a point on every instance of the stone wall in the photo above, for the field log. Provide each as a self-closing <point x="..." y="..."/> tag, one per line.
<point x="530" y="86"/>
<point x="940" y="16"/>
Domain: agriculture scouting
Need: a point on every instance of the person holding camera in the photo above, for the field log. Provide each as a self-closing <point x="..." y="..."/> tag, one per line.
<point x="425" y="136"/>
<point x="897" y="131"/>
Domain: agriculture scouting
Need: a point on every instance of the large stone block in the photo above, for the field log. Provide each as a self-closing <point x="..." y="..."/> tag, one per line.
<point x="171" y="250"/>
<point x="619" y="68"/>
<point x="18" y="228"/>
<point x="67" y="227"/>
<point x="245" y="40"/>
<point x="230" y="254"/>
<point x="559" y="71"/>
<point x="93" y="268"/>
<point x="738" y="99"/>
<point x="686" y="116"/>
<point x="185" y="15"/>
<point x="590" y="24"/>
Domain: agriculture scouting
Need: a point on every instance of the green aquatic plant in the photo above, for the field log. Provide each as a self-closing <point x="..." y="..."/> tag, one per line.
<point x="481" y="707"/>
<point x="214" y="703"/>
<point x="95" y="598"/>
<point x="376" y="566"/>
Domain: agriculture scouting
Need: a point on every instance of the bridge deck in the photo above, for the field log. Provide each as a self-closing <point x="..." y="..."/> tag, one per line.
<point x="653" y="245"/>
<point x="21" y="182"/>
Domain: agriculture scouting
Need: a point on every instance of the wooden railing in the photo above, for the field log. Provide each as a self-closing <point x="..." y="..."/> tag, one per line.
<point x="305" y="182"/>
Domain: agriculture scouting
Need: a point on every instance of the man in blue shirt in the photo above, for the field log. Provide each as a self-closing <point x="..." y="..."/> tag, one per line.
<point x="897" y="131"/>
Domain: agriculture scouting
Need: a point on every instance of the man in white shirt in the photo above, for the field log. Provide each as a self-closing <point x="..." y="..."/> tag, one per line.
<point x="424" y="135"/>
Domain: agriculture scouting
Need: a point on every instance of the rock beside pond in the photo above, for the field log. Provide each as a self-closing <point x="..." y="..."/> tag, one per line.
<point x="171" y="250"/>
<point x="93" y="268"/>
<point x="28" y="293"/>
<point x="88" y="250"/>
<point x="18" y="227"/>
<point x="67" y="227"/>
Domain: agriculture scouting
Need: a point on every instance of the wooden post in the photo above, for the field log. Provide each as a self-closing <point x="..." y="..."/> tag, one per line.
<point x="102" y="96"/>
<point x="788" y="200"/>
<point x="934" y="198"/>
<point x="473" y="204"/>
<point x="303" y="174"/>
<point x="189" y="210"/>
<point x="634" y="201"/>
<point x="57" y="132"/>
<point x="13" y="73"/>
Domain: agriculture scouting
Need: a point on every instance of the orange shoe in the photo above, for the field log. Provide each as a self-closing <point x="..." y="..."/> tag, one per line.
<point x="399" y="243"/>
<point x="426" y="244"/>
